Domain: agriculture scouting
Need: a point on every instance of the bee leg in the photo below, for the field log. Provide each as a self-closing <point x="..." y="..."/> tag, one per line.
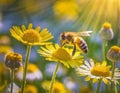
<point x="74" y="50"/>
<point x="62" y="44"/>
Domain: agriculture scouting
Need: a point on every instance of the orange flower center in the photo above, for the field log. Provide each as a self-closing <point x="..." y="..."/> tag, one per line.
<point x="99" y="70"/>
<point x="115" y="48"/>
<point x="31" y="36"/>
<point x="14" y="57"/>
<point x="107" y="25"/>
<point x="61" y="54"/>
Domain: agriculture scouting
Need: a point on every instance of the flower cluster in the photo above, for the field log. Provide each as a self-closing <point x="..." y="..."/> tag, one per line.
<point x="72" y="53"/>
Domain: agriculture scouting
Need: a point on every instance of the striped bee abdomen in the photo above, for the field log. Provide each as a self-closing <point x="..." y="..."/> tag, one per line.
<point x="82" y="44"/>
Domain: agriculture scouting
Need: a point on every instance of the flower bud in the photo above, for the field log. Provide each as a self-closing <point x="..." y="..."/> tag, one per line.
<point x="106" y="32"/>
<point x="114" y="54"/>
<point x="13" y="60"/>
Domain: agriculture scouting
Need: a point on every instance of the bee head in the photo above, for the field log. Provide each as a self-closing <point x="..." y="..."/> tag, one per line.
<point x="62" y="36"/>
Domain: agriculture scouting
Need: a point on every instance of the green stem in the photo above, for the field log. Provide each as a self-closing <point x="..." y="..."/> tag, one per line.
<point x="116" y="88"/>
<point x="12" y="80"/>
<point x="104" y="49"/>
<point x="112" y="76"/>
<point x="98" y="86"/>
<point x="113" y="69"/>
<point x="25" y="68"/>
<point x="53" y="77"/>
<point x="107" y="89"/>
<point x="104" y="57"/>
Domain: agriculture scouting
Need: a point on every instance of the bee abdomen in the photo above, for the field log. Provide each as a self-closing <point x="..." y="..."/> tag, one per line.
<point x="83" y="46"/>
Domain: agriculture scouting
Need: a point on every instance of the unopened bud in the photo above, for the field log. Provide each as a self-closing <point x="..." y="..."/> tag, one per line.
<point x="106" y="32"/>
<point x="114" y="54"/>
<point x="13" y="60"/>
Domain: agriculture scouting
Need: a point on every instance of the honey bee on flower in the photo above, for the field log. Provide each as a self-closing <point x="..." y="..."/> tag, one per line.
<point x="75" y="39"/>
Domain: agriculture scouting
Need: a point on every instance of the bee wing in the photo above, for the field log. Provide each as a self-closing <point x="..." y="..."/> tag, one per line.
<point x="84" y="33"/>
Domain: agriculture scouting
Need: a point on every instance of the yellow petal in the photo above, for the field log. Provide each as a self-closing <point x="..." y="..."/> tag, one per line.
<point x="56" y="46"/>
<point x="23" y="28"/>
<point x="95" y="80"/>
<point x="105" y="81"/>
<point x="30" y="26"/>
<point x="87" y="78"/>
<point x="104" y="63"/>
<point x="50" y="47"/>
<point x="37" y="29"/>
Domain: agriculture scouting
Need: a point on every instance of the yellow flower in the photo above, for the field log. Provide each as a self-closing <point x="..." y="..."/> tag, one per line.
<point x="31" y="36"/>
<point x="13" y="60"/>
<point x="66" y="9"/>
<point x="5" y="49"/>
<point x="101" y="70"/>
<point x="106" y="32"/>
<point x="114" y="54"/>
<point x="31" y="89"/>
<point x="58" y="87"/>
<point x="62" y="55"/>
<point x="5" y="40"/>
<point x="97" y="71"/>
<point x="33" y="73"/>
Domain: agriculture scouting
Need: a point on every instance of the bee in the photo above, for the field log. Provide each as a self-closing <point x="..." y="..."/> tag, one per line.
<point x="75" y="39"/>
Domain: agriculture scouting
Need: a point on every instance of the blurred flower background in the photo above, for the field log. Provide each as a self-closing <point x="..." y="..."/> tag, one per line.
<point x="58" y="16"/>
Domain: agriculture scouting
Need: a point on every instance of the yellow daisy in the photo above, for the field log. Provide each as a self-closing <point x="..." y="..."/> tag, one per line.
<point x="62" y="55"/>
<point x="66" y="9"/>
<point x="97" y="71"/>
<point x="31" y="89"/>
<point x="58" y="87"/>
<point x="31" y="36"/>
<point x="5" y="40"/>
<point x="5" y="49"/>
<point x="33" y="73"/>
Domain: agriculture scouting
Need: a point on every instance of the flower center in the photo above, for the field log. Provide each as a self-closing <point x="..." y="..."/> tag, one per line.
<point x="31" y="36"/>
<point x="32" y="68"/>
<point x="13" y="57"/>
<point x="115" y="48"/>
<point x="30" y="89"/>
<point x="58" y="87"/>
<point x="99" y="70"/>
<point x="61" y="54"/>
<point x="107" y="25"/>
